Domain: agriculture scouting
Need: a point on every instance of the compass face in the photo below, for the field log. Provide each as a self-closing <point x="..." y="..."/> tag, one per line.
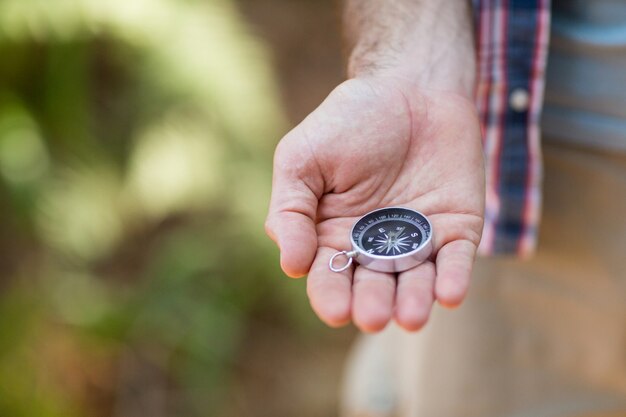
<point x="391" y="232"/>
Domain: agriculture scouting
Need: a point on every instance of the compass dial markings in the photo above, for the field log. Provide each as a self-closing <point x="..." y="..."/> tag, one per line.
<point x="391" y="232"/>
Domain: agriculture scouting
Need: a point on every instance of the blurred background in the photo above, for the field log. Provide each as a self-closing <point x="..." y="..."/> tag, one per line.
<point x="136" y="140"/>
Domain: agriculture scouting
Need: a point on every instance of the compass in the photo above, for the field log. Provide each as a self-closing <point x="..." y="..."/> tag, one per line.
<point x="390" y="239"/>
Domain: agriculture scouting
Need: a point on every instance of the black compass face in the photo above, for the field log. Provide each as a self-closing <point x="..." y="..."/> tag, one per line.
<point x="391" y="232"/>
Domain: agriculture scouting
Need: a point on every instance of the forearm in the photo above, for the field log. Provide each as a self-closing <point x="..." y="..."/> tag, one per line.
<point x="429" y="43"/>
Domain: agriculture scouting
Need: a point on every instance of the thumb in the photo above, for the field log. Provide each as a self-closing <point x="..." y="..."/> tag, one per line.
<point x="296" y="187"/>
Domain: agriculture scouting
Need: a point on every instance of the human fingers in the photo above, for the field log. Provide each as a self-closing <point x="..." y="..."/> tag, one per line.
<point x="454" y="267"/>
<point x="373" y="294"/>
<point x="294" y="233"/>
<point x="296" y="187"/>
<point x="329" y="292"/>
<point x="415" y="296"/>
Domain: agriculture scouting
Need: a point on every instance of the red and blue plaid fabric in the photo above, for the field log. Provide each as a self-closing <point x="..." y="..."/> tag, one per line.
<point x="512" y="42"/>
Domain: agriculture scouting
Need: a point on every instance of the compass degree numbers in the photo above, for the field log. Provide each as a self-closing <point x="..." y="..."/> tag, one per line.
<point x="390" y="234"/>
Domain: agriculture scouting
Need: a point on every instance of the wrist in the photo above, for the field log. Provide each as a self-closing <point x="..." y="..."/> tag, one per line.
<point x="429" y="45"/>
<point x="457" y="78"/>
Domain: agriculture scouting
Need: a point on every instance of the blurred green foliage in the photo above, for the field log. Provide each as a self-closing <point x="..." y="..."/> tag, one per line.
<point x="135" y="140"/>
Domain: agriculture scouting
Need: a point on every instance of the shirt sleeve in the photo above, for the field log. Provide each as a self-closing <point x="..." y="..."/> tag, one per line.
<point x="512" y="43"/>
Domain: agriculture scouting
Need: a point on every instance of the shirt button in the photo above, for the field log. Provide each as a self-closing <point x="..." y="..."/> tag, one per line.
<point x="519" y="100"/>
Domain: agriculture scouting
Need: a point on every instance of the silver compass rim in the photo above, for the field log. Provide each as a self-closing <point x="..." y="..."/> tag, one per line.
<point x="425" y="246"/>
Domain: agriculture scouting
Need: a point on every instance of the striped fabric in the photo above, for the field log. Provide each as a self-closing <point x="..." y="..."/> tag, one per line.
<point x="512" y="42"/>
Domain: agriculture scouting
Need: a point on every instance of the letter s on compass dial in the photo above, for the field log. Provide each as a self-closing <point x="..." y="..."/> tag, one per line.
<point x="391" y="239"/>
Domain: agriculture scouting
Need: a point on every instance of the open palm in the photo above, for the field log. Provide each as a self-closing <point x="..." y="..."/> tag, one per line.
<point x="375" y="143"/>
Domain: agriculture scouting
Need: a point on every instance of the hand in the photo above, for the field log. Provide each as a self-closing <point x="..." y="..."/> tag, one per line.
<point x="377" y="142"/>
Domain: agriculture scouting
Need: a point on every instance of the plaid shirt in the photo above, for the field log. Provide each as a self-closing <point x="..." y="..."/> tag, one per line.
<point x="512" y="38"/>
